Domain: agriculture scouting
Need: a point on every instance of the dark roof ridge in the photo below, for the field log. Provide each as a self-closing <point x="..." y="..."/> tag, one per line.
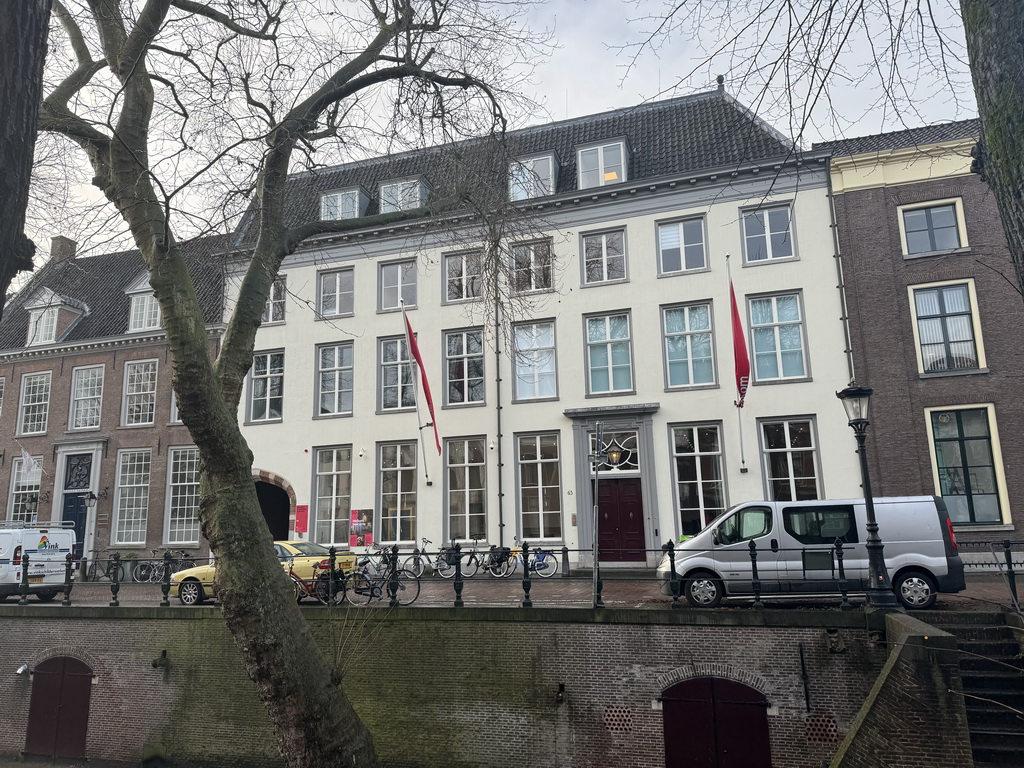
<point x="950" y="130"/>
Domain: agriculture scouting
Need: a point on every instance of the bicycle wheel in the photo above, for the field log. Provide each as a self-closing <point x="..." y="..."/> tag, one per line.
<point x="322" y="590"/>
<point x="156" y="572"/>
<point x="498" y="569"/>
<point x="408" y="588"/>
<point x="142" y="571"/>
<point x="184" y="565"/>
<point x="414" y="564"/>
<point x="122" y="573"/>
<point x="544" y="564"/>
<point x="90" y="574"/>
<point x="513" y="564"/>
<point x="442" y="567"/>
<point x="358" y="589"/>
<point x="470" y="566"/>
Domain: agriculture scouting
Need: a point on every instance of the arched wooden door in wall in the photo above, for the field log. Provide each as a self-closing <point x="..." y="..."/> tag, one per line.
<point x="58" y="714"/>
<point x="276" y="508"/>
<point x="711" y="722"/>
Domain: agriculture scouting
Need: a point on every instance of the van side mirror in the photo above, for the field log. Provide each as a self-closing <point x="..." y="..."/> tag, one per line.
<point x="714" y="537"/>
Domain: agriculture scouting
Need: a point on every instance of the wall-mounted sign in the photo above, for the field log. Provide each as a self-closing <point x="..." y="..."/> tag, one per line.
<point x="361" y="528"/>
<point x="301" y="518"/>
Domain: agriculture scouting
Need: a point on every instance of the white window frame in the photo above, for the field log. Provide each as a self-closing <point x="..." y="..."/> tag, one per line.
<point x="545" y="530"/>
<point x="3" y="387"/>
<point x="759" y="332"/>
<point x="596" y="245"/>
<point x="525" y="181"/>
<point x="276" y="307"/>
<point x="139" y="393"/>
<point x="35" y="404"/>
<point x="182" y="505"/>
<point x="689" y="336"/>
<point x="402" y="195"/>
<point x="131" y="504"/>
<point x="532" y="371"/>
<point x="404" y="376"/>
<point x="397" y="283"/>
<point x="261" y="387"/>
<point x="978" y="340"/>
<point x="42" y="326"/>
<point x="705" y="464"/>
<point x="789" y="450"/>
<point x="338" y="376"/>
<point x="175" y="416"/>
<point x="463" y="358"/>
<point x="762" y="213"/>
<point x="609" y="345"/>
<point x="684" y="246"/>
<point x="465" y="458"/>
<point x="145" y="313"/>
<point x="341" y="204"/>
<point x="331" y="285"/>
<point x="404" y="513"/>
<point x="532" y="271"/>
<point x="467" y="281"/>
<point x="333" y="495"/>
<point x="603" y="169"/>
<point x="80" y="401"/>
<point x="24" y="485"/>
<point x="961" y="224"/>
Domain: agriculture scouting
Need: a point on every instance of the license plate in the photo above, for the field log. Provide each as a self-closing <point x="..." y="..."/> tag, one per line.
<point x="35" y="579"/>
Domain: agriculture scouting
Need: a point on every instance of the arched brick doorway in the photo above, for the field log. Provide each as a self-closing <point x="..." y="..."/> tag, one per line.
<point x="277" y="502"/>
<point x="58" y="712"/>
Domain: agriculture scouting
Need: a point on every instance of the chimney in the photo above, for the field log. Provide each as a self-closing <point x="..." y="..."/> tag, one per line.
<point x="62" y="248"/>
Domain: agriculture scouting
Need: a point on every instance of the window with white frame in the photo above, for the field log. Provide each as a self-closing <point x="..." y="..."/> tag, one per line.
<point x="776" y="324"/>
<point x="535" y="361"/>
<point x="133" y="474"/>
<point x="767" y="234"/>
<point x="531" y="177"/>
<point x="968" y="463"/>
<point x="947" y="327"/>
<point x="183" y="496"/>
<point x="464" y="366"/>
<point x="273" y="310"/>
<point x="689" y="352"/>
<point x="86" y="397"/>
<point x="139" y="392"/>
<point x="790" y="459"/>
<point x="609" y="355"/>
<point x="398" y="492"/>
<point x="700" y="481"/>
<point x="531" y="264"/>
<point x="335" y="293"/>
<point x="463" y="276"/>
<point x="334" y="379"/>
<point x="397" y="284"/>
<point x="42" y="326"/>
<point x="175" y="416"/>
<point x="602" y="165"/>
<point x="145" y="313"/>
<point x="333" y="494"/>
<point x="604" y="257"/>
<point x="266" y="387"/>
<point x="540" y="486"/>
<point x="397" y="386"/>
<point x="467" y="488"/>
<point x="3" y="385"/>
<point x="681" y="246"/>
<point x="25" y="481"/>
<point x="346" y="204"/>
<point x="401" y="195"/>
<point x="35" y="403"/>
<point x="932" y="228"/>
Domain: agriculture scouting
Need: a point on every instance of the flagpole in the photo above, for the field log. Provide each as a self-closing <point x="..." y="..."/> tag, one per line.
<point x="419" y="416"/>
<point x="737" y="403"/>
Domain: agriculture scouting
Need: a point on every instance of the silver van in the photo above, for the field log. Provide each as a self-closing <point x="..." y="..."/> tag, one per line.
<point x="796" y="552"/>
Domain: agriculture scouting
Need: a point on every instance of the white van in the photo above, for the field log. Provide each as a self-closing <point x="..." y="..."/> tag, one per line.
<point x="47" y="545"/>
<point x="796" y="553"/>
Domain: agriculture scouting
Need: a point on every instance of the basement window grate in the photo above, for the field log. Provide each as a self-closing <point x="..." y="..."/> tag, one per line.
<point x="821" y="728"/>
<point x="618" y="719"/>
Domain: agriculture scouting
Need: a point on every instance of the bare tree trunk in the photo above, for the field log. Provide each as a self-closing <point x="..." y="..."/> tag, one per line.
<point x="995" y="43"/>
<point x="23" y="28"/>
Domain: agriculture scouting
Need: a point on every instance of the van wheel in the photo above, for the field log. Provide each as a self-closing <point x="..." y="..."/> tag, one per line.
<point x="915" y="590"/>
<point x="47" y="595"/>
<point x="703" y="590"/>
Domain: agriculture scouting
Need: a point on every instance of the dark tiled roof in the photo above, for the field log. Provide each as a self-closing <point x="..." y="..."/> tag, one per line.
<point x="665" y="138"/>
<point x="99" y="282"/>
<point x="913" y="137"/>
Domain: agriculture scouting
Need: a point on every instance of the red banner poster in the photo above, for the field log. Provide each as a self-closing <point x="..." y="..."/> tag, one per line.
<point x="361" y="528"/>
<point x="301" y="518"/>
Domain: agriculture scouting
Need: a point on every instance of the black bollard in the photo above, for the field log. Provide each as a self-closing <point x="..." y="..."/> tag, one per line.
<point x="845" y="604"/>
<point x="165" y="580"/>
<point x="393" y="581"/>
<point x="674" y="583"/>
<point x="68" y="581"/>
<point x="458" y="576"/>
<point x="757" y="581"/>
<point x="115" y="579"/>
<point x="1011" y="576"/>
<point x="527" y="602"/>
<point x="332" y="579"/>
<point x="565" y="561"/>
<point x="24" y="580"/>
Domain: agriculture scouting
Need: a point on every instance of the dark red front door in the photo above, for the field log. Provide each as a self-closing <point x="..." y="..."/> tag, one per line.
<point x="711" y="722"/>
<point x="621" y="529"/>
<point x="58" y="714"/>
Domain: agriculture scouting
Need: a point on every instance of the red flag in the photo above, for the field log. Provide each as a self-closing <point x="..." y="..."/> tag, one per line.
<point x="410" y="339"/>
<point x="739" y="350"/>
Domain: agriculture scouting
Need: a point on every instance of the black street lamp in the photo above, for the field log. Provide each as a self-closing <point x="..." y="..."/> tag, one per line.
<point x="855" y="401"/>
<point x="603" y="454"/>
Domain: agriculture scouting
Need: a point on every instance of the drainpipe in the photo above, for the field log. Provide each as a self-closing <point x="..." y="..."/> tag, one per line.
<point x="839" y="271"/>
<point x="498" y="407"/>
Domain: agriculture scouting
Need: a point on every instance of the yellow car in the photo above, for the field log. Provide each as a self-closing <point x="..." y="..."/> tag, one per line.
<point x="305" y="562"/>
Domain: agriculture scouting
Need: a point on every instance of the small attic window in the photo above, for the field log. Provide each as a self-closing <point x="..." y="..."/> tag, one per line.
<point x="404" y="195"/>
<point x="42" y="326"/>
<point x="145" y="314"/>
<point x="343" y="204"/>
<point x="602" y="164"/>
<point x="531" y="177"/>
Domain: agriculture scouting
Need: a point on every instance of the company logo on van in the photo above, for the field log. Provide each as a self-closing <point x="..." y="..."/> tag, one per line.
<point x="44" y="544"/>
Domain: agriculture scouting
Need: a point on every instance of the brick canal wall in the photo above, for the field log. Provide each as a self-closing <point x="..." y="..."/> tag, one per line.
<point x="447" y="687"/>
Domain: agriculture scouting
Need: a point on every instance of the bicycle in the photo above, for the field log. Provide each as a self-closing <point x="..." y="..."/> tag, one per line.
<point x="152" y="570"/>
<point x="417" y="561"/>
<point x="542" y="562"/>
<point x="361" y="586"/>
<point x="94" y="573"/>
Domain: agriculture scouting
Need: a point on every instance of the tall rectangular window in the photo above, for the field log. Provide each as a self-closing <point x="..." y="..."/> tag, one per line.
<point x="401" y="196"/>
<point x="464" y="366"/>
<point x="689" y="353"/>
<point x="25" y="478"/>
<point x="183" y="496"/>
<point x="397" y="386"/>
<point x="967" y="464"/>
<point x="604" y="257"/>
<point x="700" y="482"/>
<point x="602" y="165"/>
<point x="35" y="403"/>
<point x="133" y="470"/>
<point x="777" y="327"/>
<point x="397" y="284"/>
<point x="42" y="326"/>
<point x="86" y="397"/>
<point x="531" y="263"/>
<point x="534" y="356"/>
<point x="609" y="356"/>
<point x="333" y="494"/>
<point x="335" y="293"/>
<point x="467" y="488"/>
<point x="681" y="246"/>
<point x="946" y="328"/>
<point x="273" y="310"/>
<point x="334" y="379"/>
<point x="398" y="492"/>
<point x="931" y="229"/>
<point x="767" y="234"/>
<point x="346" y="204"/>
<point x="267" y="386"/>
<point x="140" y="392"/>
<point x="463" y="276"/>
<point x="3" y="384"/>
<point x="531" y="177"/>
<point x="145" y="314"/>
<point x="540" y="486"/>
<point x="790" y="458"/>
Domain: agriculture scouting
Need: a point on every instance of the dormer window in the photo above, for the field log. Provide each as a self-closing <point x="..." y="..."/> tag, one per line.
<point x="145" y="314"/>
<point x="42" y="326"/>
<point x="403" y="195"/>
<point x="602" y="165"/>
<point x="531" y="177"/>
<point x="344" y="204"/>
